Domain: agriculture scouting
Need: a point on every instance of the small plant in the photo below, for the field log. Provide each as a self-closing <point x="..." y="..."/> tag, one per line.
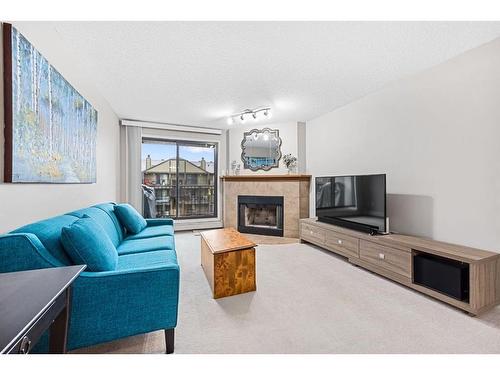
<point x="290" y="161"/>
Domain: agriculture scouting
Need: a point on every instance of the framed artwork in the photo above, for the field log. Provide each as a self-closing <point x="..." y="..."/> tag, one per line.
<point x="50" y="129"/>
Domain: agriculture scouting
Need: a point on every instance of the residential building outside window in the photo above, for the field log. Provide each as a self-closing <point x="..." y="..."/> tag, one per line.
<point x="179" y="179"/>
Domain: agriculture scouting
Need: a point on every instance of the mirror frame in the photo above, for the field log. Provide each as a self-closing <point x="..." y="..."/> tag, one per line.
<point x="261" y="131"/>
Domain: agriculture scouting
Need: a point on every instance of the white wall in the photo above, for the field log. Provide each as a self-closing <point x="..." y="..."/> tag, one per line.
<point x="23" y="203"/>
<point x="437" y="136"/>
<point x="287" y="133"/>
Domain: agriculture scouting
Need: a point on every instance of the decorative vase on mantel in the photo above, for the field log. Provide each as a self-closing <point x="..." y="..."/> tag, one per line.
<point x="290" y="163"/>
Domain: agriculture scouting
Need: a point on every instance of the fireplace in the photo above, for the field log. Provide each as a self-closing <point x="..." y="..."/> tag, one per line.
<point x="293" y="189"/>
<point x="260" y="215"/>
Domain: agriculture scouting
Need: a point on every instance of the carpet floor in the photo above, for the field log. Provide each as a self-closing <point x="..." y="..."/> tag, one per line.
<point x="311" y="301"/>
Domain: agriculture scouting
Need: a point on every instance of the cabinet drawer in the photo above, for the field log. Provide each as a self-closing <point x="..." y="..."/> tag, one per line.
<point x="312" y="233"/>
<point x="343" y="244"/>
<point x="394" y="260"/>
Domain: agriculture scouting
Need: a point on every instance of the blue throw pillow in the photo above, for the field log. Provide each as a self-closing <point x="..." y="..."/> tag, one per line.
<point x="130" y="218"/>
<point x="87" y="243"/>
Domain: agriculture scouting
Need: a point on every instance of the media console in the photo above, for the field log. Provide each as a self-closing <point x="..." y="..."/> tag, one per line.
<point x="464" y="277"/>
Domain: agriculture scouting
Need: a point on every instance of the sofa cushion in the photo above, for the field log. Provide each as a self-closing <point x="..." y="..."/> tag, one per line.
<point x="86" y="242"/>
<point x="159" y="230"/>
<point x="109" y="208"/>
<point x="146" y="244"/>
<point x="49" y="233"/>
<point x="105" y="217"/>
<point x="130" y="218"/>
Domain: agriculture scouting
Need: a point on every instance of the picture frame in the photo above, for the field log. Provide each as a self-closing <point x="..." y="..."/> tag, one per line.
<point x="50" y="128"/>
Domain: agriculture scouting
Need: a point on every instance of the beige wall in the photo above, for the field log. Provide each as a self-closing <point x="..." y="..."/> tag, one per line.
<point x="437" y="136"/>
<point x="288" y="135"/>
<point x="24" y="203"/>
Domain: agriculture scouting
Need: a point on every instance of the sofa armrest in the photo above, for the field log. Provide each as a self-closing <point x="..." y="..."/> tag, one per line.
<point x="114" y="304"/>
<point x="156" y="222"/>
<point x="24" y="251"/>
<point x="101" y="275"/>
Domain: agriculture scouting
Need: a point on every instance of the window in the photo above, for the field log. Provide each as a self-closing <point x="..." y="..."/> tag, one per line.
<point x="179" y="179"/>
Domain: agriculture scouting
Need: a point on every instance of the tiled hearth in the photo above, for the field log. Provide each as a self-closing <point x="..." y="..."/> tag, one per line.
<point x="292" y="189"/>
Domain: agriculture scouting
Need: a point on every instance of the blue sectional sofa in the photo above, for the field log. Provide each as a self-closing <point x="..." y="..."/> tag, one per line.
<point x="140" y="295"/>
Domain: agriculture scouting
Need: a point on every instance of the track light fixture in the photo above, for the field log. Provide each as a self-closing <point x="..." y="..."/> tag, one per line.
<point x="244" y="115"/>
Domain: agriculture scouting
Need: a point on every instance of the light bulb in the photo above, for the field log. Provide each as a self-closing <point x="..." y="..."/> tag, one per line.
<point x="230" y="121"/>
<point x="242" y="117"/>
<point x="254" y="115"/>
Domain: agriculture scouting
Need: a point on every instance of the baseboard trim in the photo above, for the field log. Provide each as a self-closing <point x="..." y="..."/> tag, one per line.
<point x="180" y="225"/>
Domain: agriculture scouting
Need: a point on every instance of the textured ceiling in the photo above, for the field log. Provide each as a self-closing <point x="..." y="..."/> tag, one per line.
<point x="196" y="73"/>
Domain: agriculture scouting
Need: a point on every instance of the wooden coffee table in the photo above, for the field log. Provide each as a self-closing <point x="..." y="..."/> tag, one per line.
<point x="228" y="259"/>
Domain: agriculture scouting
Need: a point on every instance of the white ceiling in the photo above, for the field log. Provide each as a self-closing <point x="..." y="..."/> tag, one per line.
<point x="196" y="73"/>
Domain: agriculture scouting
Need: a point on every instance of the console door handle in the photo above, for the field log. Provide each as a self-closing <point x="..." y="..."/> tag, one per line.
<point x="24" y="348"/>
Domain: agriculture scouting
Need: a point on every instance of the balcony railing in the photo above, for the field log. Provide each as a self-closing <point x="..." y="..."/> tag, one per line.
<point x="194" y="200"/>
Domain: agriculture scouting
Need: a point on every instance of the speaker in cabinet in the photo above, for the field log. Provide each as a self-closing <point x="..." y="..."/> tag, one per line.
<point x="447" y="276"/>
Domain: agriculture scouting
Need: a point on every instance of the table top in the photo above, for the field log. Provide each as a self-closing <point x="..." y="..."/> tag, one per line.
<point x="25" y="295"/>
<point x="226" y="239"/>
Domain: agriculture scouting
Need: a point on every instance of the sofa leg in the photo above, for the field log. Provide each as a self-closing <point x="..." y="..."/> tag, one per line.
<point x="169" y="341"/>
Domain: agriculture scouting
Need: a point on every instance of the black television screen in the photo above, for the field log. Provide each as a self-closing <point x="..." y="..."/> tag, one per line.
<point x="355" y="202"/>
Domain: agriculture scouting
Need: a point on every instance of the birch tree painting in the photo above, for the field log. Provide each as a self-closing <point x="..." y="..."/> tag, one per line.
<point x="54" y="128"/>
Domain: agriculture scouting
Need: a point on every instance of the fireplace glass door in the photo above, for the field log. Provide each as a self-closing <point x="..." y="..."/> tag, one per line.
<point x="260" y="215"/>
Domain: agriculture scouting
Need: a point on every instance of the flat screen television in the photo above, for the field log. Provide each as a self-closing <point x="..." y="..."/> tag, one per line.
<point x="355" y="202"/>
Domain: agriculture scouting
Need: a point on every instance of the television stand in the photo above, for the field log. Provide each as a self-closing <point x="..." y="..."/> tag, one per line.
<point x="461" y="276"/>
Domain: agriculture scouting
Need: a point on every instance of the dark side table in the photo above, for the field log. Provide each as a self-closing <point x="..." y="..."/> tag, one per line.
<point x="30" y="303"/>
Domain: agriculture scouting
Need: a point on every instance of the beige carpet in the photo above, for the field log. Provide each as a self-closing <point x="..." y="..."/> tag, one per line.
<point x="311" y="301"/>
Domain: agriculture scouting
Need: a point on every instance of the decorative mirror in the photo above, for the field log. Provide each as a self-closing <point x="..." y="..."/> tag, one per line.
<point x="261" y="149"/>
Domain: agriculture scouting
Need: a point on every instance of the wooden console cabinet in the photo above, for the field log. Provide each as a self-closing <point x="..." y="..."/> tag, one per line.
<point x="392" y="256"/>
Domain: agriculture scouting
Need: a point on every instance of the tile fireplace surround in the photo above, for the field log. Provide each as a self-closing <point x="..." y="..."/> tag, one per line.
<point x="293" y="188"/>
